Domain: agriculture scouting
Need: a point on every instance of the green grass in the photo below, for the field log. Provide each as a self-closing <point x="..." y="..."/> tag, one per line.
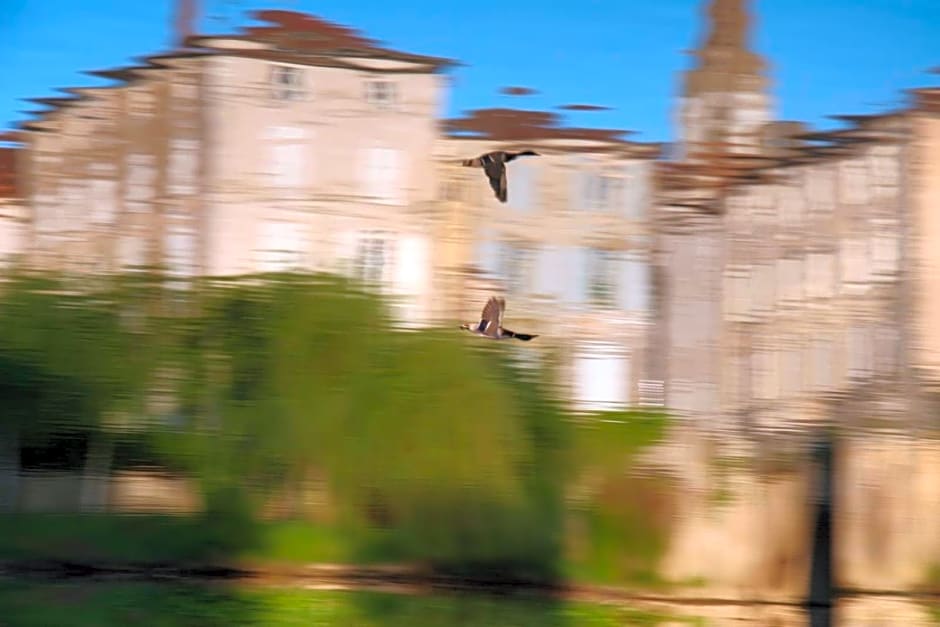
<point x="622" y="532"/>
<point x="167" y="539"/>
<point x="623" y="549"/>
<point x="83" y="604"/>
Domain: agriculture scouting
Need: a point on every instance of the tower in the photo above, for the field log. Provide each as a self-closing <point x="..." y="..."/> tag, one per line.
<point x="724" y="103"/>
<point x="184" y="21"/>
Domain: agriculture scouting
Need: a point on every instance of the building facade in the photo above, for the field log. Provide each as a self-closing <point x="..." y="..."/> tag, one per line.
<point x="762" y="270"/>
<point x="570" y="248"/>
<point x="294" y="145"/>
<point x="799" y="264"/>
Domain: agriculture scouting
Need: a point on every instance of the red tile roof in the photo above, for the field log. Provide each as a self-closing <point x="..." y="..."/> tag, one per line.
<point x="298" y="34"/>
<point x="8" y="187"/>
<point x="518" y="124"/>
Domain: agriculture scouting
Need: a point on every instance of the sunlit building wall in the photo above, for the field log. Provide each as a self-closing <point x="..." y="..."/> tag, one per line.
<point x="570" y="248"/>
<point x="294" y="145"/>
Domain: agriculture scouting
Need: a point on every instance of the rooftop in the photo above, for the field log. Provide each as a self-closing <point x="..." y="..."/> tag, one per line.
<point x="308" y="38"/>
<point x="528" y="125"/>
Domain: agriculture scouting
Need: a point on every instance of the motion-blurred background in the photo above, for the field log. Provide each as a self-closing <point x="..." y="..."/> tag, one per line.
<point x="234" y="270"/>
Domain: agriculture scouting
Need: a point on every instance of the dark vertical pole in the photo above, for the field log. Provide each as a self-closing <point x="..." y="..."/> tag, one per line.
<point x="820" y="597"/>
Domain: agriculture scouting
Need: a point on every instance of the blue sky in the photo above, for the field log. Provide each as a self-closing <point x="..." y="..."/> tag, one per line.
<point x="827" y="57"/>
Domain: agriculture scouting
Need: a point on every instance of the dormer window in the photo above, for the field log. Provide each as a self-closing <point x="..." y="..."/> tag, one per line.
<point x="381" y="93"/>
<point x="287" y="83"/>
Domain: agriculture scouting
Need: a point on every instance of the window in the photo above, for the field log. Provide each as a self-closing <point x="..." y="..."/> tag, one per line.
<point x="287" y="156"/>
<point x="131" y="251"/>
<point x="651" y="393"/>
<point x="636" y="190"/>
<point x="371" y="259"/>
<point x="382" y="93"/>
<point x="763" y="287"/>
<point x="596" y="191"/>
<point x="854" y="260"/>
<point x="282" y="247"/>
<point x="287" y="83"/>
<point x="790" y="205"/>
<point x="853" y="182"/>
<point x="573" y="263"/>
<point x="885" y="250"/>
<point x="789" y="280"/>
<point x="601" y="378"/>
<point x="634" y="290"/>
<point x="820" y="271"/>
<point x="45" y="205"/>
<point x="737" y="292"/>
<point x="515" y="267"/>
<point x="383" y="175"/>
<point x="102" y="193"/>
<point x="765" y="374"/>
<point x="180" y="252"/>
<point x="140" y="174"/>
<point x="820" y="190"/>
<point x="602" y="276"/>
<point x="859" y="349"/>
<point x="521" y="183"/>
<point x="183" y="166"/>
<point x="885" y="162"/>
<point x="413" y="266"/>
<point x="487" y="252"/>
<point x="549" y="267"/>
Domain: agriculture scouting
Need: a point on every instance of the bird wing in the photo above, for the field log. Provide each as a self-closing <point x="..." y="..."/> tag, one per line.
<point x="502" y="309"/>
<point x="496" y="172"/>
<point x="491" y="316"/>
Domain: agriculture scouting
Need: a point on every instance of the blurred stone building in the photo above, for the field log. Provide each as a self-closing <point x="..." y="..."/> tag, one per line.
<point x="570" y="249"/>
<point x="800" y="266"/>
<point x="755" y="270"/>
<point x="12" y="205"/>
<point x="297" y="144"/>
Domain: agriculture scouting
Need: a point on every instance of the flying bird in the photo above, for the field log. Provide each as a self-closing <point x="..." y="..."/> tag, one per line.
<point x="494" y="165"/>
<point x="491" y="323"/>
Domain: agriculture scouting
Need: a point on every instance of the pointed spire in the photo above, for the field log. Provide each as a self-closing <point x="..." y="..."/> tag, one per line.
<point x="725" y="104"/>
<point x="725" y="62"/>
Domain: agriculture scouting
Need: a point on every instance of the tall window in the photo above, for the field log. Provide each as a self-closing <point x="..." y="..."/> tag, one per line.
<point x="183" y="166"/>
<point x="853" y="181"/>
<point x="287" y="83"/>
<point x="601" y="378"/>
<point x="516" y="267"/>
<point x="371" y="258"/>
<point x="520" y="194"/>
<point x="140" y="173"/>
<point x="131" y="251"/>
<point x="636" y="189"/>
<point x="381" y="93"/>
<point x="287" y="156"/>
<point x="602" y="276"/>
<point x="599" y="191"/>
<point x="383" y="175"/>
<point x="102" y="193"/>
<point x="635" y="288"/>
<point x="180" y="252"/>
